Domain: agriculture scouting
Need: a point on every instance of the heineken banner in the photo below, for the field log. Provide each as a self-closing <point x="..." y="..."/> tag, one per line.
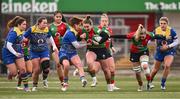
<point x="43" y="6"/>
<point x="27" y="6"/>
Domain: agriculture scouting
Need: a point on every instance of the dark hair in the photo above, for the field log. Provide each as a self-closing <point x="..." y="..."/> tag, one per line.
<point x="88" y="20"/>
<point x="74" y="20"/>
<point x="63" y="18"/>
<point x="17" y="20"/>
<point x="40" y="19"/>
<point x="56" y="12"/>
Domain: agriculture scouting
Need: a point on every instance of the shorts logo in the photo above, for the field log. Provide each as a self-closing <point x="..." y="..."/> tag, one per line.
<point x="103" y="56"/>
<point x="132" y="59"/>
<point x="172" y="53"/>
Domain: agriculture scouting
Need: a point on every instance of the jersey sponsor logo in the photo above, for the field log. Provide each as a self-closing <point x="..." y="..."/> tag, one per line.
<point x="57" y="34"/>
<point x="40" y="41"/>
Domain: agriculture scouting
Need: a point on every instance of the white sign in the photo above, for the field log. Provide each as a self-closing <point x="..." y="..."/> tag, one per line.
<point x="161" y="5"/>
<point x="33" y="6"/>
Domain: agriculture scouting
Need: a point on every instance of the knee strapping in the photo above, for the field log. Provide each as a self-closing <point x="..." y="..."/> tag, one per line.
<point x="147" y="70"/>
<point x="144" y="63"/>
<point x="137" y="69"/>
<point x="45" y="65"/>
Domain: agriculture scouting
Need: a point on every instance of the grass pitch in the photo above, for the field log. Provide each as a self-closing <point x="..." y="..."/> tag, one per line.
<point x="127" y="83"/>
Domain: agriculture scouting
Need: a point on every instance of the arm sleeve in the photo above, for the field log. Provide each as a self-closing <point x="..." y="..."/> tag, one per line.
<point x="175" y="43"/>
<point x="104" y="36"/>
<point x="51" y="40"/>
<point x="10" y="48"/>
<point x="77" y="45"/>
<point x="111" y="44"/>
<point x="119" y="36"/>
<point x="175" y="39"/>
<point x="78" y="36"/>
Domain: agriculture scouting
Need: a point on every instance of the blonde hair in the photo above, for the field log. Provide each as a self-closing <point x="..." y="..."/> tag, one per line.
<point x="140" y="30"/>
<point x="164" y="19"/>
<point x="104" y="15"/>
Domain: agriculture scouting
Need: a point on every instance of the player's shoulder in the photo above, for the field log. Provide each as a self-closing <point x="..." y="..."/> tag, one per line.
<point x="12" y="31"/>
<point x="173" y="31"/>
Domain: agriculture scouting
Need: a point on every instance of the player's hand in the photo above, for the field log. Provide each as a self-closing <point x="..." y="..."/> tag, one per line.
<point x="113" y="49"/>
<point x="168" y="37"/>
<point x="89" y="42"/>
<point x="140" y="26"/>
<point x="18" y="54"/>
<point x="25" y="40"/>
<point x="83" y="36"/>
<point x="83" y="41"/>
<point x="164" y="47"/>
<point x="95" y="43"/>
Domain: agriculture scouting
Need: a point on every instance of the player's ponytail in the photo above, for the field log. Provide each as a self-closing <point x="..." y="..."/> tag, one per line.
<point x="14" y="22"/>
<point x="88" y="20"/>
<point x="74" y="20"/>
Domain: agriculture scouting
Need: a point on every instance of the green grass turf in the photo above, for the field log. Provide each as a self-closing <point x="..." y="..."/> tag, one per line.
<point x="127" y="83"/>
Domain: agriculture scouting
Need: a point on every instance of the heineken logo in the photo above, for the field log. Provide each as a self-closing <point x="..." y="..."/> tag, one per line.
<point x="34" y="6"/>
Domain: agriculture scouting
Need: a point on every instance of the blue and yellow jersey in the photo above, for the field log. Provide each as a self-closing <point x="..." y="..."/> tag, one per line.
<point x="68" y="38"/>
<point x="170" y="35"/>
<point x="38" y="38"/>
<point x="15" y="37"/>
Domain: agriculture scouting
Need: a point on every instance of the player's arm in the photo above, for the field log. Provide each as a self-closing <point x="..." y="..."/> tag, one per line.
<point x="27" y="33"/>
<point x="51" y="40"/>
<point x="175" y="40"/>
<point x="119" y="36"/>
<point x="11" y="49"/>
<point x="78" y="45"/>
<point x="10" y="40"/>
<point x="104" y="37"/>
<point x="72" y="38"/>
<point x="128" y="36"/>
<point x="157" y="36"/>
